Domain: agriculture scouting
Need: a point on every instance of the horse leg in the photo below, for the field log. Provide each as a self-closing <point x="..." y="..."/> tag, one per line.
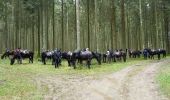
<point x="58" y="62"/>
<point x="114" y="59"/>
<point x="103" y="59"/>
<point x="164" y="55"/>
<point x="107" y="59"/>
<point x="120" y="58"/>
<point x="20" y="61"/>
<point x="159" y="56"/>
<point x="29" y="59"/>
<point x="44" y="61"/>
<point x="81" y="62"/>
<point x="55" y="64"/>
<point x="88" y="63"/>
<point x="124" y="58"/>
<point x="69" y="62"/>
<point x="110" y="59"/>
<point x="74" y="64"/>
<point x="32" y="60"/>
<point x="145" y="56"/>
<point x="99" y="61"/>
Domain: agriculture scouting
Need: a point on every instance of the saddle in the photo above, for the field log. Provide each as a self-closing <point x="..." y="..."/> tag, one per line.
<point x="49" y="53"/>
<point x="117" y="53"/>
<point x="85" y="53"/>
<point x="108" y="53"/>
<point x="70" y="53"/>
<point x="25" y="51"/>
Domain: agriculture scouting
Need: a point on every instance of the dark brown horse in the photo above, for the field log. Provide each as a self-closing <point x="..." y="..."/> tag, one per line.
<point x="22" y="55"/>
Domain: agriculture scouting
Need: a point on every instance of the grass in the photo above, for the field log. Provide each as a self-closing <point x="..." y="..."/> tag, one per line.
<point x="163" y="79"/>
<point x="19" y="80"/>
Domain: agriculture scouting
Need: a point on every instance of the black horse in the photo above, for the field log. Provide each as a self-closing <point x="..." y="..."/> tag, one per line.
<point x="7" y="53"/>
<point x="70" y="57"/>
<point x="97" y="56"/>
<point x="46" y="55"/>
<point x="22" y="55"/>
<point x="56" y="58"/>
<point x="119" y="55"/>
<point x="152" y="52"/>
<point x="108" y="56"/>
<point x="87" y="56"/>
<point x="163" y="52"/>
<point x="145" y="53"/>
<point x="134" y="53"/>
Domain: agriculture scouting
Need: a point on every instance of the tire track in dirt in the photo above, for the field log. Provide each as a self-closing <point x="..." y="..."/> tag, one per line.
<point x="143" y="85"/>
<point x="132" y="83"/>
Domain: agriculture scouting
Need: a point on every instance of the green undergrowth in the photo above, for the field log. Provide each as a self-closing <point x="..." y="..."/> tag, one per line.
<point x="163" y="79"/>
<point x="20" y="80"/>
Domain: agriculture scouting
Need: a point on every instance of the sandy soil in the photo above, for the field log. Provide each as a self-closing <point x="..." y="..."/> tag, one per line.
<point x="135" y="82"/>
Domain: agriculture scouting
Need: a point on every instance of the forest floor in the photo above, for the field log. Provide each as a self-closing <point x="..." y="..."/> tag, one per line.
<point x="134" y="80"/>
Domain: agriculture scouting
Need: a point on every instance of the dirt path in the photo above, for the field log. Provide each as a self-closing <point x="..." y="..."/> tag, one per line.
<point x="132" y="83"/>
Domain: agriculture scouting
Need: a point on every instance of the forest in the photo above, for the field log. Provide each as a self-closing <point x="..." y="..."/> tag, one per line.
<point x="84" y="49"/>
<point x="74" y="24"/>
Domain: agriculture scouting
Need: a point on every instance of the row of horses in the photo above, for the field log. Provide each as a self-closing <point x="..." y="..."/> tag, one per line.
<point x="79" y="56"/>
<point x="147" y="53"/>
<point x="56" y="56"/>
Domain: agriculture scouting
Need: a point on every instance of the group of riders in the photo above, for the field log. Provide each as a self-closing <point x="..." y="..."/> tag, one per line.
<point x="79" y="56"/>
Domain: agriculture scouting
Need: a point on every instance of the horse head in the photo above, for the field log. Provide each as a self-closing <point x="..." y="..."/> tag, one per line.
<point x="98" y="57"/>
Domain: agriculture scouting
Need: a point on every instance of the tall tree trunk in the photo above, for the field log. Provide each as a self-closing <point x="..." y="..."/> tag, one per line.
<point x="88" y="22"/>
<point x="43" y="24"/>
<point x="47" y="24"/>
<point x="54" y="24"/>
<point x="6" y="26"/>
<point x="78" y="24"/>
<point x="96" y="26"/>
<point x="123" y="44"/>
<point x="141" y="25"/>
<point x="62" y="25"/>
<point x="39" y="27"/>
<point x="113" y="33"/>
<point x="33" y="29"/>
